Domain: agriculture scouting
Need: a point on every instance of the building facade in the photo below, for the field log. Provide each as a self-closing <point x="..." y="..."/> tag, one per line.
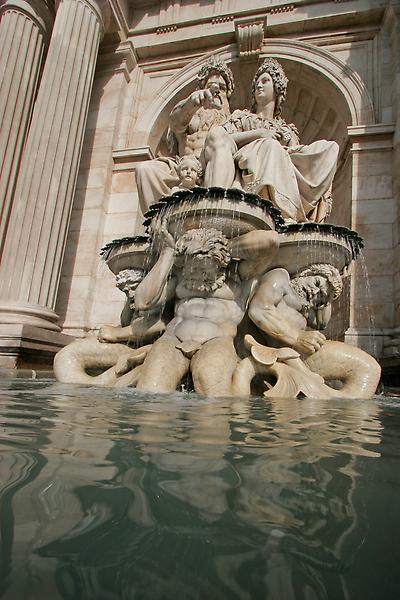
<point x="86" y="90"/>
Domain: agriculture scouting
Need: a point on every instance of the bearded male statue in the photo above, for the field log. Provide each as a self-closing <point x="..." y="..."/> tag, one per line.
<point x="190" y="121"/>
<point x="211" y="278"/>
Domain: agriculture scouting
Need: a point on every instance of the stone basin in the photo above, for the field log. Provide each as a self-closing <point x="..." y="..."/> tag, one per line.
<point x="304" y="244"/>
<point x="128" y="253"/>
<point x="231" y="211"/>
<point x="234" y="213"/>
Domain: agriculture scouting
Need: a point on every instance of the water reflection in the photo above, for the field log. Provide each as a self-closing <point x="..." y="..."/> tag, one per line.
<point x="113" y="495"/>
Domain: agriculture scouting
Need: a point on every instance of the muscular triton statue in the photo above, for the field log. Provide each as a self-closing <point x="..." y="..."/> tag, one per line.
<point x="190" y="121"/>
<point x="258" y="151"/>
<point x="297" y="359"/>
<point x="292" y="312"/>
<point x="135" y="327"/>
<point x="211" y="279"/>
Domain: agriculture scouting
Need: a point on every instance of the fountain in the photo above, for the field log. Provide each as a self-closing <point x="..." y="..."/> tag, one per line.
<point x="231" y="287"/>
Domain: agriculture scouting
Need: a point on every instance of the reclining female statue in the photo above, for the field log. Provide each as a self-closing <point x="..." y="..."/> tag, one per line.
<point x="258" y="151"/>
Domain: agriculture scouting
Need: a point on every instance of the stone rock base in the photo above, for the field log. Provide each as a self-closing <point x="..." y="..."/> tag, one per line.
<point x="29" y="347"/>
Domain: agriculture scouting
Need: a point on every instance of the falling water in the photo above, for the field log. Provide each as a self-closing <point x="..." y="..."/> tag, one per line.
<point x="365" y="305"/>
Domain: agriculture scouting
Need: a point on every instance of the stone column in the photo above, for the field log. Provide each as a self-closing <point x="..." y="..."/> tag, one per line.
<point x="34" y="248"/>
<point x="371" y="305"/>
<point x="25" y="29"/>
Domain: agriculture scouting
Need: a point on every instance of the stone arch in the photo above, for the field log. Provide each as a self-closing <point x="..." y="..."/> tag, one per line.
<point x="347" y="100"/>
<point x="341" y="76"/>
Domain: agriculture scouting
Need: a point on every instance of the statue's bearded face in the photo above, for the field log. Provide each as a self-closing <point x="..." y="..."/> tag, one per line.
<point x="217" y="86"/>
<point x="203" y="273"/>
<point x="314" y="290"/>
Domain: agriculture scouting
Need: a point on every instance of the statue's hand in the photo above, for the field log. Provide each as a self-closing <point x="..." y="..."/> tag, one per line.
<point x="268" y="134"/>
<point x="205" y="98"/>
<point x="166" y="236"/>
<point x="309" y="342"/>
<point x="107" y="334"/>
<point x="160" y="231"/>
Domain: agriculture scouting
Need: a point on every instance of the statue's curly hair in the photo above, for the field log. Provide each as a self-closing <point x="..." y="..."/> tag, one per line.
<point x="129" y="277"/>
<point x="216" y="65"/>
<point x="330" y="273"/>
<point x="205" y="242"/>
<point x="194" y="159"/>
<point x="275" y="70"/>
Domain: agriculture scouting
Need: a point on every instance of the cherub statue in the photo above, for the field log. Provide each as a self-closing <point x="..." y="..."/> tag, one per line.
<point x="189" y="171"/>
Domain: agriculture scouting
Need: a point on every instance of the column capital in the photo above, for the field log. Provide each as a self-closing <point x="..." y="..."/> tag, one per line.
<point x="101" y="8"/>
<point x="38" y="11"/>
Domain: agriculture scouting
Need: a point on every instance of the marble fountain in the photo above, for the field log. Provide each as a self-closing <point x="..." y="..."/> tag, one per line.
<point x="223" y="283"/>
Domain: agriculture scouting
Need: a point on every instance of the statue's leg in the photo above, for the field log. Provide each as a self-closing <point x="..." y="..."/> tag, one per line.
<point x="154" y="179"/>
<point x="219" y="149"/>
<point x="163" y="367"/>
<point x="212" y="367"/>
<point x="269" y="166"/>
<point x="314" y="167"/>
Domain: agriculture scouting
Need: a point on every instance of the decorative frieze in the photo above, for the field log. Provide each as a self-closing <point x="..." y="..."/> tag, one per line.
<point x="166" y="29"/>
<point x="281" y="9"/>
<point x="223" y="19"/>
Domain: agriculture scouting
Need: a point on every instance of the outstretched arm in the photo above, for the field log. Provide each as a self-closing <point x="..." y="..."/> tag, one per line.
<point x="143" y="327"/>
<point x="183" y="112"/>
<point x="255" y="250"/>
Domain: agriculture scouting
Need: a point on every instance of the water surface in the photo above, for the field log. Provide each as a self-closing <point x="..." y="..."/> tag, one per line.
<point x="109" y="494"/>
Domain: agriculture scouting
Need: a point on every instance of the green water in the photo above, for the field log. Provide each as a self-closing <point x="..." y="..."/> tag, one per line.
<point x="108" y="494"/>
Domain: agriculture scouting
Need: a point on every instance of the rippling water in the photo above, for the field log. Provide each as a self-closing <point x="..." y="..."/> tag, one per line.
<point x="108" y="494"/>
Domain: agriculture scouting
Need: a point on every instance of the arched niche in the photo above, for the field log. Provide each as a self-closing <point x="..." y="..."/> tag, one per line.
<point x="325" y="96"/>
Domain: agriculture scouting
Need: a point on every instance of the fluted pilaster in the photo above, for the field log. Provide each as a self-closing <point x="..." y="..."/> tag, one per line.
<point x="24" y="30"/>
<point x="34" y="248"/>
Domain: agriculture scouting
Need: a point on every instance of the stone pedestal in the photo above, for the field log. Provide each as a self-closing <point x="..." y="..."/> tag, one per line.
<point x="28" y="347"/>
<point x="25" y="29"/>
<point x="34" y="248"/>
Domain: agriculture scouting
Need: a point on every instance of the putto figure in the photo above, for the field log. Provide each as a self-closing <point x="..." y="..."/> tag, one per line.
<point x="189" y="171"/>
<point x="257" y="150"/>
<point x="190" y="121"/>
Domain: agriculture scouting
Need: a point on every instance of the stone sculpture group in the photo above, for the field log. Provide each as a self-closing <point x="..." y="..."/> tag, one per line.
<point x="216" y="308"/>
